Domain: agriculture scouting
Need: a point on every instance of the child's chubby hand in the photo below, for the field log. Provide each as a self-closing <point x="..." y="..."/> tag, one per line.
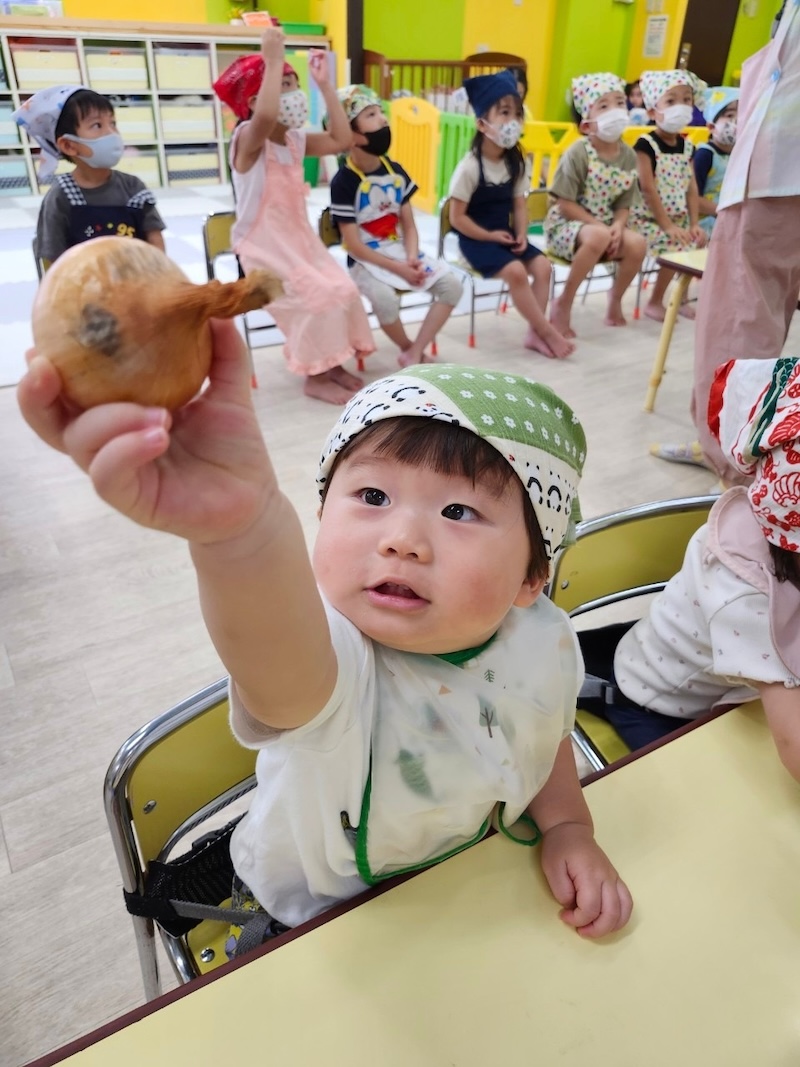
<point x="520" y="244"/>
<point x="581" y="877"/>
<point x="678" y="235"/>
<point x="273" y="44"/>
<point x="502" y="237"/>
<point x="699" y="236"/>
<point x="201" y="472"/>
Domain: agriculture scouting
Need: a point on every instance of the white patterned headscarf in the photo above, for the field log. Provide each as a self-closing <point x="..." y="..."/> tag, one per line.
<point x="754" y="412"/>
<point x="588" y="88"/>
<point x="39" y="117"/>
<point x="654" y="83"/>
<point x="531" y="427"/>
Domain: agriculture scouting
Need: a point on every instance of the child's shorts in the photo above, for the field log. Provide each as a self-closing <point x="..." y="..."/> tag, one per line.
<point x="263" y="928"/>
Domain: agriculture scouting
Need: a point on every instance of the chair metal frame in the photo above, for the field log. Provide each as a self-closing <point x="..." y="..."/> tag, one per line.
<point x="42" y="265"/>
<point x="603" y="567"/>
<point x="165" y="781"/>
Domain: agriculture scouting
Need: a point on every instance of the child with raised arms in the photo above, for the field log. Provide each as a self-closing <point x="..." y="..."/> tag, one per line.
<point x="320" y="312"/>
<point x="411" y="684"/>
<point x="592" y="193"/>
<point x="488" y="210"/>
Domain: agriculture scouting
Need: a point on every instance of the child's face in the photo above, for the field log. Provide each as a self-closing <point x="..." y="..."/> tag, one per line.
<point x="370" y="119"/>
<point x="421" y="561"/>
<point x="635" y="97"/>
<point x="506" y="109"/>
<point x="606" y="102"/>
<point x="93" y="125"/>
<point x="289" y="83"/>
<point x="675" y="96"/>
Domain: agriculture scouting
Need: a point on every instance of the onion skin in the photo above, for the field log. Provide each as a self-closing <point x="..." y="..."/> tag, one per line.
<point x="122" y="322"/>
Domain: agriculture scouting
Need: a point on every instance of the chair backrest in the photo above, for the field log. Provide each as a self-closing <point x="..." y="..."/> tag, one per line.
<point x="537" y="202"/>
<point x="415" y="145"/>
<point x="626" y="554"/>
<point x="329" y="232"/>
<point x="42" y="265"/>
<point x="445" y="225"/>
<point x="217" y="237"/>
<point x="170" y="775"/>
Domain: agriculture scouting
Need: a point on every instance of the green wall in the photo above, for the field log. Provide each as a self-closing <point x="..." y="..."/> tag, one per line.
<point x="589" y="36"/>
<point x="749" y="34"/>
<point x="426" y="31"/>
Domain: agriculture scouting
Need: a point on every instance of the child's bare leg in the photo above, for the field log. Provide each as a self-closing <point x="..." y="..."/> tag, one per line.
<point x="542" y="336"/>
<point x="654" y="308"/>
<point x="540" y="270"/>
<point x="634" y="247"/>
<point x="590" y="247"/>
<point x="345" y="378"/>
<point x="325" y="387"/>
<point x="396" y="333"/>
<point x="437" y="316"/>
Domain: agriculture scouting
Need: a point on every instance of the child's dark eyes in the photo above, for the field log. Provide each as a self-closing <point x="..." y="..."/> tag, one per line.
<point x="374" y="497"/>
<point x="457" y="512"/>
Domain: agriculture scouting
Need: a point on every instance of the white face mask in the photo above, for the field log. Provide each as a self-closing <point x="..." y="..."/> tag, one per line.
<point x="293" y="109"/>
<point x="725" y="132"/>
<point x="611" y="124"/>
<point x="506" y="135"/>
<point x="106" y="151"/>
<point x="676" y="118"/>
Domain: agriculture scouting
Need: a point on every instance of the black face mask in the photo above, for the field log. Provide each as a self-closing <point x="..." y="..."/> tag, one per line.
<point x="378" y="141"/>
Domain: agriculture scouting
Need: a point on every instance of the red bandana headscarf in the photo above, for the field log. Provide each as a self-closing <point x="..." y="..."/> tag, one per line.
<point x="237" y="86"/>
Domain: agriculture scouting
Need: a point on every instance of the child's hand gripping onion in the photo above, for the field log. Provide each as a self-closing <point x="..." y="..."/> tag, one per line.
<point x="120" y="321"/>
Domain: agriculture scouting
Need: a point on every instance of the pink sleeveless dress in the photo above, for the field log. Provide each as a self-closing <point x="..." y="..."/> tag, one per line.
<point x="320" y="313"/>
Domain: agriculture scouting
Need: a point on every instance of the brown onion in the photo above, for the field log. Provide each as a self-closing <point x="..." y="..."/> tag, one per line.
<point x="121" y="321"/>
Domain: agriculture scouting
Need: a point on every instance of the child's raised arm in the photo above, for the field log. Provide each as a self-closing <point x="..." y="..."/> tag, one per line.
<point x="265" y="109"/>
<point x="338" y="137"/>
<point x="203" y="473"/>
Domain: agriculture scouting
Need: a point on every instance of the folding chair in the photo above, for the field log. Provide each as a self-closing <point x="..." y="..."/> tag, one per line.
<point x="167" y="779"/>
<point x="330" y="236"/>
<point x="217" y="244"/>
<point x="617" y="557"/>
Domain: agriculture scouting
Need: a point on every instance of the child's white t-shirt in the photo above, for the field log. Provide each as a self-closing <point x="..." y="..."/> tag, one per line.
<point x="466" y="177"/>
<point x="444" y="746"/>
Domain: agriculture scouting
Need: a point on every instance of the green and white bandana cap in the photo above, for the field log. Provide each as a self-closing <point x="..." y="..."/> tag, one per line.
<point x="355" y="99"/>
<point x="531" y="427"/>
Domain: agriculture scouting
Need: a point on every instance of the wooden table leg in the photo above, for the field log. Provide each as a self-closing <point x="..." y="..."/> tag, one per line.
<point x="657" y="373"/>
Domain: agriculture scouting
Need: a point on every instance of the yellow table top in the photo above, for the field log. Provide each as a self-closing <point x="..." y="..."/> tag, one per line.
<point x="691" y="262"/>
<point x="468" y="963"/>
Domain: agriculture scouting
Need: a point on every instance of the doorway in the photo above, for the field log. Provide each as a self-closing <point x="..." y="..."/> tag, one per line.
<point x="707" y="35"/>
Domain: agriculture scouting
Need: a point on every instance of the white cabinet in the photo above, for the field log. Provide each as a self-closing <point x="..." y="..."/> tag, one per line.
<point x="158" y="77"/>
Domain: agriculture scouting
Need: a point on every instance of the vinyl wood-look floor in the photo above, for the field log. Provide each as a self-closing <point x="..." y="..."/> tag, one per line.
<point x="100" y="630"/>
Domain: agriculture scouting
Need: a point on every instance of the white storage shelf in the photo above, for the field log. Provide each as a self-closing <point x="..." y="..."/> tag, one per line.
<point x="158" y="77"/>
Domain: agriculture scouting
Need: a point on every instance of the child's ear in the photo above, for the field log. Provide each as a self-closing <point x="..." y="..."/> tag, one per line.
<point x="67" y="147"/>
<point x="529" y="591"/>
<point x="584" y="126"/>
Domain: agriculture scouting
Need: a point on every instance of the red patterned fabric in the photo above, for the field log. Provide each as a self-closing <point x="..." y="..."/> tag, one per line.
<point x="237" y="86"/>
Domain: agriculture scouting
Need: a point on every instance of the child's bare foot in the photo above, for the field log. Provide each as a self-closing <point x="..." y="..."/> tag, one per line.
<point x="614" y="316"/>
<point x="686" y="311"/>
<point x="655" y="312"/>
<point x="343" y="377"/>
<point x="551" y="344"/>
<point x="323" y="387"/>
<point x="559" y="317"/>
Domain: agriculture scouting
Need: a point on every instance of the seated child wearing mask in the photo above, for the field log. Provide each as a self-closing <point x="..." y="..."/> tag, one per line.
<point x="711" y="159"/>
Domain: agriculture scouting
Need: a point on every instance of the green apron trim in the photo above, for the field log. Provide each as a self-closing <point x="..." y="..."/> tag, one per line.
<point x="464" y="654"/>
<point x="362" y="861"/>
<point x="526" y="820"/>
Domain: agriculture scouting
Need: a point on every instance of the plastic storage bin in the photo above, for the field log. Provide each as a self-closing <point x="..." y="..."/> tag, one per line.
<point x="116" y="69"/>
<point x="9" y="131"/>
<point x="136" y="123"/>
<point x="145" y="165"/>
<point x="193" y="166"/>
<point x="38" y="65"/>
<point x="13" y="176"/>
<point x="182" y="68"/>
<point x="188" y="121"/>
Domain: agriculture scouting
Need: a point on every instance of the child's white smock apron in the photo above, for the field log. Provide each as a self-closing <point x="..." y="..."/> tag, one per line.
<point x="320" y="313"/>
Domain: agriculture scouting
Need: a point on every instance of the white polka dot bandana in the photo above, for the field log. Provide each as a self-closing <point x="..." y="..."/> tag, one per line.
<point x="39" y="116"/>
<point x="754" y="412"/>
<point x="588" y="88"/>
<point x="654" y="83"/>
<point x="532" y="428"/>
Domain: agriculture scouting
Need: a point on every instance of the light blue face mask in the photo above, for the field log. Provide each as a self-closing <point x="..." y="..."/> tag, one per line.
<point x="106" y="151"/>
